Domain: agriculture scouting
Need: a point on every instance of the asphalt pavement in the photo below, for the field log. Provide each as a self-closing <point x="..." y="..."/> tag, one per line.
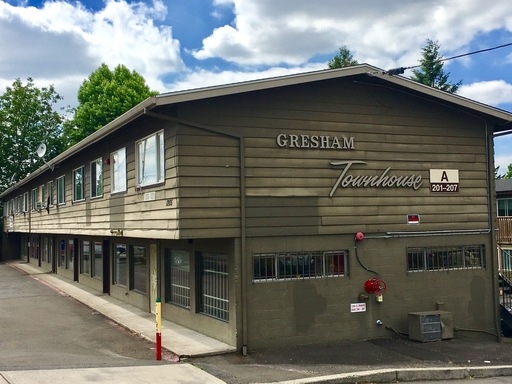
<point x="470" y="354"/>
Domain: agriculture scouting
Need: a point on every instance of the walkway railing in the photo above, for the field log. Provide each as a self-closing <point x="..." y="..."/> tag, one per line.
<point x="504" y="235"/>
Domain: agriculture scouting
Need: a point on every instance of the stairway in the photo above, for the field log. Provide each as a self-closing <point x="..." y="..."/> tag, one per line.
<point x="505" y="286"/>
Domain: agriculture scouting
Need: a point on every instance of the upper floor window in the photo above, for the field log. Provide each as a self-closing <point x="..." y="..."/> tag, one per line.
<point x="41" y="195"/>
<point x="151" y="159"/>
<point x="78" y="184"/>
<point x="25" y="202"/>
<point x="97" y="178"/>
<point x="118" y="160"/>
<point x="504" y="207"/>
<point x="50" y="194"/>
<point x="33" y="199"/>
<point x="61" y="190"/>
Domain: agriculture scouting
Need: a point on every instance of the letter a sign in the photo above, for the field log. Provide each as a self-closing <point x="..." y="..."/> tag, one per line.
<point x="444" y="180"/>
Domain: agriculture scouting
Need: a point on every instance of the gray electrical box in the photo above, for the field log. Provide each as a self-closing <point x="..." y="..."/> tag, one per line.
<point x="430" y="326"/>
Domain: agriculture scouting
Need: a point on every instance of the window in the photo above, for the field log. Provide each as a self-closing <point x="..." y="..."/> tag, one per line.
<point x="43" y="195"/>
<point x="70" y="255"/>
<point x="50" y="194"/>
<point x="504" y="207"/>
<point x="299" y="265"/>
<point x="119" y="171"/>
<point x="443" y="258"/>
<point x="25" y="202"/>
<point x="214" y="293"/>
<point x="97" y="178"/>
<point x="61" y="190"/>
<point x="85" y="261"/>
<point x="33" y="199"/>
<point x="97" y="265"/>
<point x="44" y="249"/>
<point x="139" y="271"/>
<point x="120" y="264"/>
<point x="177" y="267"/>
<point x="78" y="184"/>
<point x="66" y="254"/>
<point x="151" y="159"/>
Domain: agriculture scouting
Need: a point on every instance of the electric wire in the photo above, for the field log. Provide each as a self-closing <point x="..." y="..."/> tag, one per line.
<point x="361" y="264"/>
<point x="400" y="70"/>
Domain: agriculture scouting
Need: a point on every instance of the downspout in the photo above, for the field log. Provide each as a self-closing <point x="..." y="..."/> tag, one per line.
<point x="492" y="226"/>
<point x="243" y="246"/>
<point x="243" y="234"/>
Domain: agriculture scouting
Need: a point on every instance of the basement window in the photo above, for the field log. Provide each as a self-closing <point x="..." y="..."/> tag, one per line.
<point x="445" y="258"/>
<point x="299" y="265"/>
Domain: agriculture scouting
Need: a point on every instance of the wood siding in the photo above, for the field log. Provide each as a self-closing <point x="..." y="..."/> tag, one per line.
<point x="287" y="189"/>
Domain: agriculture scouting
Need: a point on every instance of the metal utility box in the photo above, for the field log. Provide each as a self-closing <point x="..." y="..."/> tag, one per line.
<point x="430" y="326"/>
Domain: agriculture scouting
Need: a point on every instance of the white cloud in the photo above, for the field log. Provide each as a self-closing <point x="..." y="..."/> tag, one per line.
<point x="383" y="33"/>
<point x="488" y="92"/>
<point x="63" y="42"/>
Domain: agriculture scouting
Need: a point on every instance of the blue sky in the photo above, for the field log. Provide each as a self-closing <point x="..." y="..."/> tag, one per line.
<point x="186" y="44"/>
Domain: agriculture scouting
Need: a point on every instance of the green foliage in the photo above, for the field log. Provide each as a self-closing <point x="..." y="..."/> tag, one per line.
<point x="508" y="175"/>
<point x="27" y="118"/>
<point x="104" y="96"/>
<point x="431" y="71"/>
<point x="343" y="59"/>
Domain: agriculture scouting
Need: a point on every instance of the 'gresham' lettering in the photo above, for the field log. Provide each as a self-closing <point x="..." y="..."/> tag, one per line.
<point x="315" y="141"/>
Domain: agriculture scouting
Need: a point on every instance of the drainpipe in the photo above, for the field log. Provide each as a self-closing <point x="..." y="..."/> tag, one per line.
<point x="492" y="226"/>
<point x="243" y="242"/>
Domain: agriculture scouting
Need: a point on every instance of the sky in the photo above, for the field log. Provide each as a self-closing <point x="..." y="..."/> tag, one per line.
<point x="186" y="44"/>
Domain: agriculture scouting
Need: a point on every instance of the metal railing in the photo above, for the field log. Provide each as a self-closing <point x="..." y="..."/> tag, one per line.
<point x="506" y="278"/>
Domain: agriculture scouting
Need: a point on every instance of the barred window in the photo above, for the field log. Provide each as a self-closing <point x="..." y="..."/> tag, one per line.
<point x="443" y="258"/>
<point x="177" y="278"/>
<point x="214" y="287"/>
<point x="299" y="265"/>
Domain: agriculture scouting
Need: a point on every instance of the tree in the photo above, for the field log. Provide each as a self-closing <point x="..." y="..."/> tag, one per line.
<point x="27" y="119"/>
<point x="104" y="96"/>
<point x="431" y="71"/>
<point x="508" y="175"/>
<point x="343" y="59"/>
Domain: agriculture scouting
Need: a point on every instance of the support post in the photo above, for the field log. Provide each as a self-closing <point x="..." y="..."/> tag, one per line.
<point x="158" y="313"/>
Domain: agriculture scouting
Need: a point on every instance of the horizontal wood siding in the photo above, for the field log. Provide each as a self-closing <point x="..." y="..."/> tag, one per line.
<point x="125" y="211"/>
<point x="209" y="184"/>
<point x="287" y="189"/>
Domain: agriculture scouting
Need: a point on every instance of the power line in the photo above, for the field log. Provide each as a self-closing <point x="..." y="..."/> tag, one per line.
<point x="400" y="70"/>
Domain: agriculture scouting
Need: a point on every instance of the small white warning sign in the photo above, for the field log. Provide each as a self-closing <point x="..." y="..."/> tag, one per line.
<point x="358" y="307"/>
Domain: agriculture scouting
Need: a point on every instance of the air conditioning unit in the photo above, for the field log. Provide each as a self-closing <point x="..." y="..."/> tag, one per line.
<point x="430" y="326"/>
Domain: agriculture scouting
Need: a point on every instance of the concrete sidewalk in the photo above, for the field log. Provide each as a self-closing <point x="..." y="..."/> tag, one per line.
<point x="158" y="374"/>
<point x="180" y="341"/>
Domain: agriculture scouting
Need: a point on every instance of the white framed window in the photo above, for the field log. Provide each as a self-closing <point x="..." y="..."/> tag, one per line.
<point x="61" y="190"/>
<point x="50" y="194"/>
<point x="41" y="195"/>
<point x="151" y="159"/>
<point x="97" y="178"/>
<point x="78" y="184"/>
<point x="25" y="202"/>
<point x="118" y="165"/>
<point x="33" y="199"/>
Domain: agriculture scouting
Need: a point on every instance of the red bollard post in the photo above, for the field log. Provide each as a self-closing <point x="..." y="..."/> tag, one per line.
<point x="158" y="313"/>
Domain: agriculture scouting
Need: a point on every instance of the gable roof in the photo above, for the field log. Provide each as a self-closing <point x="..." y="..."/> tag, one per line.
<point x="364" y="73"/>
